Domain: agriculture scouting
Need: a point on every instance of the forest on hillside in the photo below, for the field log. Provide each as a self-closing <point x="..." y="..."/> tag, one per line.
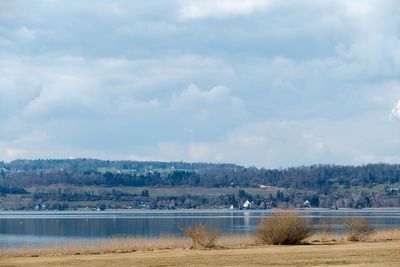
<point x="326" y="185"/>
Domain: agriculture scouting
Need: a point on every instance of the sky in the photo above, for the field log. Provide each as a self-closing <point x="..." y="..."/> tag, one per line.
<point x="263" y="83"/>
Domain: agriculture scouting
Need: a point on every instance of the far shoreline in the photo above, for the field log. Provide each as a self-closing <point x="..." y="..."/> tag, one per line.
<point x="204" y="210"/>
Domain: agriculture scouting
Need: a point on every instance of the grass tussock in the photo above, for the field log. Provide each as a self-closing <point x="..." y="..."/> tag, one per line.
<point x="283" y="228"/>
<point x="326" y="233"/>
<point x="201" y="236"/>
<point x="357" y="228"/>
<point x="235" y="241"/>
<point x="326" y="229"/>
<point x="389" y="234"/>
<point x="324" y="238"/>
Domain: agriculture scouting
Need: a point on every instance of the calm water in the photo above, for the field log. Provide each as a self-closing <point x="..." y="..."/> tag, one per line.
<point x="44" y="228"/>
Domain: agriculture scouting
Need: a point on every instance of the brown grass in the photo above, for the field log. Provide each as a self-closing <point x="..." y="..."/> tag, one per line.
<point x="114" y="245"/>
<point x="235" y="241"/>
<point x="384" y="235"/>
<point x="283" y="228"/>
<point x="326" y="229"/>
<point x="167" y="243"/>
<point x="326" y="238"/>
<point x="357" y="228"/>
<point x="390" y="234"/>
<point x="201" y="236"/>
<point x="347" y="254"/>
<point x="124" y="245"/>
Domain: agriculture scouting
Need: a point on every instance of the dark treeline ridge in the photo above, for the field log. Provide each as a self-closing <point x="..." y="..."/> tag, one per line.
<point x="319" y="178"/>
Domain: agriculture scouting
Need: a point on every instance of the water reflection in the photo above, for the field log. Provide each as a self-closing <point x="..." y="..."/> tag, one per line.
<point x="32" y="228"/>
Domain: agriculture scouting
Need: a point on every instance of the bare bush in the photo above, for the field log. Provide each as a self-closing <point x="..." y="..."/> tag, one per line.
<point x="201" y="236"/>
<point x="326" y="229"/>
<point x="283" y="228"/>
<point x="357" y="228"/>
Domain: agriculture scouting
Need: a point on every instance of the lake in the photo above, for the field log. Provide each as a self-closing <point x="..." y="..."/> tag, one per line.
<point x="32" y="228"/>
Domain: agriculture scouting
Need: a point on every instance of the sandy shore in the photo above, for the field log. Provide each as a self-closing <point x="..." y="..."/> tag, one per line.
<point x="347" y="254"/>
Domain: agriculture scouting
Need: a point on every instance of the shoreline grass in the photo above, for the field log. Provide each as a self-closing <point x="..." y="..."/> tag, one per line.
<point x="347" y="254"/>
<point x="124" y="245"/>
<point x="168" y="243"/>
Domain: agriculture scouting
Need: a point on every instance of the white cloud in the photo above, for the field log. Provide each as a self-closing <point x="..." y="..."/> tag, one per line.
<point x="275" y="144"/>
<point x="216" y="109"/>
<point x="221" y="8"/>
<point x="80" y="102"/>
<point x="194" y="98"/>
<point x="12" y="153"/>
<point x="273" y="82"/>
<point x="396" y="110"/>
<point x="45" y="86"/>
<point x="83" y="103"/>
<point x="25" y="34"/>
<point x="151" y="28"/>
<point x="26" y="145"/>
<point x="259" y="143"/>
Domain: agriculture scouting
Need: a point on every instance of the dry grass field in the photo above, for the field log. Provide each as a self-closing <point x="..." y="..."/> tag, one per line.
<point x="383" y="253"/>
<point x="124" y="245"/>
<point x="378" y="248"/>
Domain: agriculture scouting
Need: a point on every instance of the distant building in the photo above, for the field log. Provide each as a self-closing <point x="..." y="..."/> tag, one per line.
<point x="307" y="204"/>
<point x="247" y="205"/>
<point x="392" y="190"/>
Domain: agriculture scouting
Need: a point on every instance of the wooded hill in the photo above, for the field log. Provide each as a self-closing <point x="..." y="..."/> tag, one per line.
<point x="372" y="185"/>
<point x="322" y="178"/>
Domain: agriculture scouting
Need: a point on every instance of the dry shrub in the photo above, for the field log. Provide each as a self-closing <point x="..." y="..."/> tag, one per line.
<point x="283" y="228"/>
<point x="357" y="228"/>
<point x="326" y="229"/>
<point x="385" y="235"/>
<point x="201" y="236"/>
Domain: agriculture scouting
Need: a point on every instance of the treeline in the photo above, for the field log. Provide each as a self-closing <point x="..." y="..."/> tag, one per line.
<point x="319" y="178"/>
<point x="84" y="164"/>
<point x="43" y="178"/>
<point x="12" y="191"/>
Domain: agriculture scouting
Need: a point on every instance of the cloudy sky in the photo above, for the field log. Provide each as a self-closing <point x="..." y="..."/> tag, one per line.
<point x="256" y="82"/>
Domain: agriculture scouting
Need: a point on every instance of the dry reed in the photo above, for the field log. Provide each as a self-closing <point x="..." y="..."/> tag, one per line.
<point x="128" y="245"/>
<point x="124" y="245"/>
<point x="357" y="228"/>
<point x="384" y="235"/>
<point x="112" y="245"/>
<point x="283" y="228"/>
<point x="201" y="236"/>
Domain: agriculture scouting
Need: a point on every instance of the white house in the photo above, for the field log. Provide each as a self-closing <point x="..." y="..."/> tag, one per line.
<point x="247" y="205"/>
